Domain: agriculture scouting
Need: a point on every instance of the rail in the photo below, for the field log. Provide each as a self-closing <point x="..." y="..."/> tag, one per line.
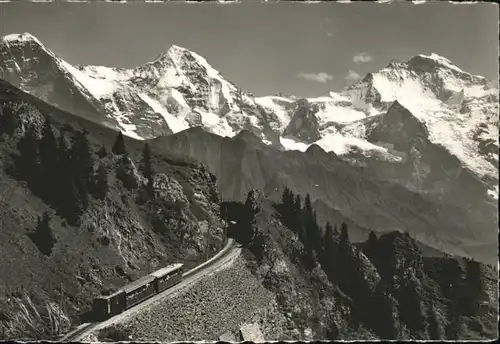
<point x="226" y="248"/>
<point x="87" y="327"/>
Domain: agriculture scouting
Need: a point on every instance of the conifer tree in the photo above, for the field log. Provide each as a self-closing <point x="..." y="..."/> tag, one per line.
<point x="308" y="213"/>
<point x="475" y="288"/>
<point x="75" y="164"/>
<point x="297" y="218"/>
<point x="83" y="198"/>
<point x="372" y="239"/>
<point x="285" y="196"/>
<point x="28" y="164"/>
<point x="43" y="236"/>
<point x="82" y="156"/>
<point x="371" y="246"/>
<point x="83" y="167"/>
<point x="65" y="173"/>
<point x="344" y="244"/>
<point x="434" y="328"/>
<point x="328" y="253"/>
<point x="287" y="207"/>
<point x="48" y="159"/>
<point x="8" y="119"/>
<point x="297" y="204"/>
<point x="328" y="237"/>
<point x="76" y="205"/>
<point x="119" y="145"/>
<point x="344" y="234"/>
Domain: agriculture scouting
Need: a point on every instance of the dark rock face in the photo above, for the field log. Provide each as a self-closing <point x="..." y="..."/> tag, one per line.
<point x="127" y="172"/>
<point x="398" y="127"/>
<point x="304" y="124"/>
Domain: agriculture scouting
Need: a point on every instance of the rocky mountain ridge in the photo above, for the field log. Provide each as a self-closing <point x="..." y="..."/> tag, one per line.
<point x="179" y="90"/>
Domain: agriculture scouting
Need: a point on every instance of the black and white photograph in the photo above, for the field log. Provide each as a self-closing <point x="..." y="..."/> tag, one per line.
<point x="230" y="171"/>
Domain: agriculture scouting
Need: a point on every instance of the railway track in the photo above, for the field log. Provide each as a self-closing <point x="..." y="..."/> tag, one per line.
<point x="229" y="252"/>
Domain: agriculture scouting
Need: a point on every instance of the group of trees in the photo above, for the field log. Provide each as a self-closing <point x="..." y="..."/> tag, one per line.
<point x="60" y="167"/>
<point x="303" y="221"/>
<point x="66" y="173"/>
<point x="342" y="262"/>
<point x="242" y="223"/>
<point x="59" y="171"/>
<point x="319" y="245"/>
<point x="404" y="296"/>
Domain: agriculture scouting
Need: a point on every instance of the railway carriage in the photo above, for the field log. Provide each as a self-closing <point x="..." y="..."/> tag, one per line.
<point x="139" y="290"/>
<point x="106" y="306"/>
<point x="167" y="277"/>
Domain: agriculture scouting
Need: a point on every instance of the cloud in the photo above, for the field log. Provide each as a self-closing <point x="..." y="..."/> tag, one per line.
<point x="317" y="77"/>
<point x="329" y="34"/>
<point x="362" y="58"/>
<point x="352" y="76"/>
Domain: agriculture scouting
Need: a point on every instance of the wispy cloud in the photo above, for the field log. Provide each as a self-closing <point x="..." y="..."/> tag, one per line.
<point x="329" y="34"/>
<point x="362" y="58"/>
<point x="317" y="77"/>
<point x="352" y="76"/>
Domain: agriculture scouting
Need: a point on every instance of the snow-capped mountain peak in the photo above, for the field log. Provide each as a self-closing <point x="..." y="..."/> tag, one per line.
<point x="432" y="59"/>
<point x="21" y="37"/>
<point x="180" y="89"/>
<point x="183" y="60"/>
<point x="178" y="54"/>
<point x="22" y="44"/>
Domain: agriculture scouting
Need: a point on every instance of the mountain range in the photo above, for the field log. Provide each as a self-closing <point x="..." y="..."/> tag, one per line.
<point x="412" y="147"/>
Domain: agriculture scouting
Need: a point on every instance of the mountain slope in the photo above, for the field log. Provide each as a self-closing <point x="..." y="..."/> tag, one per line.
<point x="244" y="163"/>
<point x="117" y="238"/>
<point x="328" y="288"/>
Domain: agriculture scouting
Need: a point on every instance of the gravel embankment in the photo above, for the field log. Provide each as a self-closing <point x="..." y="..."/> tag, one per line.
<point x="218" y="304"/>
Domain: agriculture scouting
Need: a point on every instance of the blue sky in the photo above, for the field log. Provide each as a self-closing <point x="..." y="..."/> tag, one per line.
<point x="294" y="48"/>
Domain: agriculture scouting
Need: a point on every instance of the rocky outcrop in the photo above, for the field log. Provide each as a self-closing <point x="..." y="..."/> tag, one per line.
<point x="303" y="124"/>
<point x="169" y="191"/>
<point x="251" y="333"/>
<point x="127" y="172"/>
<point x="399" y="127"/>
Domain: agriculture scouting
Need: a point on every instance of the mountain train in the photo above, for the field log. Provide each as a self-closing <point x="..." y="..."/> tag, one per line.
<point x="106" y="306"/>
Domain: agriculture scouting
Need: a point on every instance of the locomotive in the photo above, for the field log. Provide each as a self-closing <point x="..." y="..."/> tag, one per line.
<point x="106" y="306"/>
